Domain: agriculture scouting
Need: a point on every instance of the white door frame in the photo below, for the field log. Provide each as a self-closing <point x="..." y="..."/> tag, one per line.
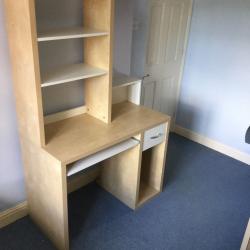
<point x="190" y="12"/>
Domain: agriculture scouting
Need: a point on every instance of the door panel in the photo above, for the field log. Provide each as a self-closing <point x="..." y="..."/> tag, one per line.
<point x="155" y="29"/>
<point x="168" y="29"/>
<point x="175" y="22"/>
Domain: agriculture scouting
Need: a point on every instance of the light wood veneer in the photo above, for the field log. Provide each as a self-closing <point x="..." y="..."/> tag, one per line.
<point x="78" y="137"/>
<point x="48" y="147"/>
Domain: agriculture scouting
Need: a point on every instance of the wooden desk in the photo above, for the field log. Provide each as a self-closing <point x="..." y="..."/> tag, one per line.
<point x="48" y="150"/>
<point x="75" y="138"/>
<point x="133" y="176"/>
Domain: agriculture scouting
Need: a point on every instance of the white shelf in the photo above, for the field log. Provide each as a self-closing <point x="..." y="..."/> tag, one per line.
<point x="101" y="156"/>
<point x="71" y="73"/>
<point x="69" y="33"/>
<point x="121" y="80"/>
<point x="126" y="86"/>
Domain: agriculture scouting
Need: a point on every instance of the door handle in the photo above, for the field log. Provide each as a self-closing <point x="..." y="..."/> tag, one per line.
<point x="156" y="136"/>
<point x="146" y="76"/>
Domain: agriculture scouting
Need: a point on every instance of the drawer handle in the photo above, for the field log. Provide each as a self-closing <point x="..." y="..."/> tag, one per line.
<point x="156" y="136"/>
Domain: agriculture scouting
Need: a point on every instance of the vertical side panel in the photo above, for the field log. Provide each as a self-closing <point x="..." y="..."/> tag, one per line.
<point x="134" y="93"/>
<point x="99" y="14"/>
<point x="120" y="175"/>
<point x="46" y="184"/>
<point x="21" y="26"/>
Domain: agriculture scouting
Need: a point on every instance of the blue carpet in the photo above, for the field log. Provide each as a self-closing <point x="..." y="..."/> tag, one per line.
<point x="205" y="205"/>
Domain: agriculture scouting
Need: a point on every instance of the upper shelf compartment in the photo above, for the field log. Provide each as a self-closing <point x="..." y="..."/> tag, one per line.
<point x="71" y="73"/>
<point x="69" y="33"/>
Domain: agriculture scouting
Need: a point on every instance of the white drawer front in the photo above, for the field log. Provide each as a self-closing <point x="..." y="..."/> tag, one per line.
<point x="154" y="136"/>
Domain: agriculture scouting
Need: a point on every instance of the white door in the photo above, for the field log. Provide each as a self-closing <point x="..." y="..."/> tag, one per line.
<point x="167" y="39"/>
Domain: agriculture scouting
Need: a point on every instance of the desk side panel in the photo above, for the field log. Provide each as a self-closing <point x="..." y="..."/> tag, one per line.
<point x="99" y="14"/>
<point x="21" y="26"/>
<point x="120" y="175"/>
<point x="46" y="185"/>
<point x="157" y="163"/>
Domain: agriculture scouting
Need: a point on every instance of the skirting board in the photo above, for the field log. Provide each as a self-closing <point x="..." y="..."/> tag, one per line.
<point x="246" y="241"/>
<point x="13" y="214"/>
<point x="21" y="210"/>
<point x="217" y="146"/>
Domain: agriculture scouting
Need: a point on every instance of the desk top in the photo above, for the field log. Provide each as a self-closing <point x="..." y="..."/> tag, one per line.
<point x="75" y="138"/>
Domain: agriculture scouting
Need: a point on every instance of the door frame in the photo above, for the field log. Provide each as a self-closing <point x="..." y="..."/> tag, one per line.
<point x="183" y="61"/>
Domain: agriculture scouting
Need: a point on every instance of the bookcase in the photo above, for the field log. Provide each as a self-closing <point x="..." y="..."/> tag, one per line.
<point x="42" y="45"/>
<point x="64" y="46"/>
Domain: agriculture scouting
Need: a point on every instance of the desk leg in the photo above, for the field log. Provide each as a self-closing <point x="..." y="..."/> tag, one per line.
<point x="46" y="185"/>
<point x="120" y="175"/>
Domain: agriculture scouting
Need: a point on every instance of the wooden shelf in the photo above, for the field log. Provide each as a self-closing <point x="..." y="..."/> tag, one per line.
<point x="69" y="33"/>
<point x="74" y="138"/>
<point x="146" y="193"/>
<point x="71" y="73"/>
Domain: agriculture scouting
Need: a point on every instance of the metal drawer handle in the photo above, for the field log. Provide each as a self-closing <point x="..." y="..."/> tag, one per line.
<point x="156" y="136"/>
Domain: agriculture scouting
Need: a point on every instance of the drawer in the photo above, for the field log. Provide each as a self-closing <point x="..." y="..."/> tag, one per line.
<point x="154" y="136"/>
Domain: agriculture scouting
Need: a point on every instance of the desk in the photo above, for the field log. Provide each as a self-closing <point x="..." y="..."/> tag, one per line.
<point x="133" y="176"/>
<point x="49" y="150"/>
<point x="84" y="135"/>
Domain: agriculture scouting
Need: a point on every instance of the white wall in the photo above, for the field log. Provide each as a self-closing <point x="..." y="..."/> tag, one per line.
<point x="11" y="171"/>
<point x="215" y="95"/>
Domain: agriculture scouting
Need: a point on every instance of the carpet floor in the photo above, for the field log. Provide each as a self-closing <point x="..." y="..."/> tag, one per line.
<point x="205" y="205"/>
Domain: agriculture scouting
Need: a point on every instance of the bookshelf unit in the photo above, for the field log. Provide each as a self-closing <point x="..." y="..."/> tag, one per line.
<point x="35" y="72"/>
<point x="71" y="47"/>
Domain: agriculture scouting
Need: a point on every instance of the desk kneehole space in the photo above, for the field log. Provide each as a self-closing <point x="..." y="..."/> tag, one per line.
<point x="132" y="170"/>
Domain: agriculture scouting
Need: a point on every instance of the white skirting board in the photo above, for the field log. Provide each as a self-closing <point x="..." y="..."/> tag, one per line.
<point x="101" y="156"/>
<point x="217" y="146"/>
